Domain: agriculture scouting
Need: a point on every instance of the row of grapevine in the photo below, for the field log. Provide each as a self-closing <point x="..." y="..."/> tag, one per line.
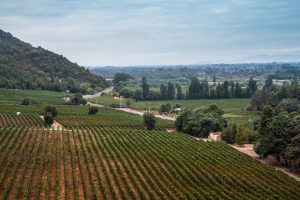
<point x="104" y="120"/>
<point x="123" y="163"/>
<point x="20" y="120"/>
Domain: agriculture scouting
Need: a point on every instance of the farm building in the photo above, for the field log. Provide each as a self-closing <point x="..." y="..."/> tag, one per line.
<point x="215" y="136"/>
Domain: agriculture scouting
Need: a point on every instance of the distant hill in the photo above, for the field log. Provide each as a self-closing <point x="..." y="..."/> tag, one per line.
<point x="23" y="66"/>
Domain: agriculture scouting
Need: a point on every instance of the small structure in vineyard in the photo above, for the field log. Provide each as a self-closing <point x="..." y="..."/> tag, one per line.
<point x="215" y="136"/>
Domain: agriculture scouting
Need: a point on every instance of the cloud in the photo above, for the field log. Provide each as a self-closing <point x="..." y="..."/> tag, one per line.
<point x="128" y="32"/>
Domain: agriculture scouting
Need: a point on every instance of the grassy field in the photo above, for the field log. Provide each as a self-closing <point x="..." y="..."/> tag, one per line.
<point x="10" y="96"/>
<point x="123" y="163"/>
<point x="235" y="109"/>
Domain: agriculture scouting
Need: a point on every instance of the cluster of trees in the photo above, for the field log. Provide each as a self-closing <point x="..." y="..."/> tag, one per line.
<point x="77" y="99"/>
<point x="241" y="134"/>
<point x="279" y="135"/>
<point x="121" y="77"/>
<point x="228" y="89"/>
<point x="201" y="122"/>
<point x="287" y="95"/>
<point x="279" y="132"/>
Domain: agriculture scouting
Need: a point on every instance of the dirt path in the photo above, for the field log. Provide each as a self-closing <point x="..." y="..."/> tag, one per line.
<point x="107" y="90"/>
<point x="248" y="149"/>
<point x="141" y="113"/>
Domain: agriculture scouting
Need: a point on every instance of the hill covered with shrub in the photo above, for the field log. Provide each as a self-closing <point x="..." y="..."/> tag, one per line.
<point x="23" y="66"/>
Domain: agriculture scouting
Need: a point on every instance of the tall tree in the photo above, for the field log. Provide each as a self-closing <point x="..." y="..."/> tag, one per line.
<point x="145" y="88"/>
<point x="179" y="91"/>
<point x="194" y="88"/>
<point x="171" y="91"/>
<point x="163" y="91"/>
<point x="225" y="87"/>
<point x="252" y="87"/>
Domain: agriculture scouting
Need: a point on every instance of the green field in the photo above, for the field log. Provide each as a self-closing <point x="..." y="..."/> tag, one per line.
<point x="11" y="96"/>
<point x="235" y="109"/>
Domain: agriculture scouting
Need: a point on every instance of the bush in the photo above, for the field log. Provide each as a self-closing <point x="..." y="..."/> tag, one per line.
<point x="48" y="118"/>
<point x="93" y="110"/>
<point x="229" y="134"/>
<point x="52" y="110"/>
<point x="25" y="101"/>
<point x="149" y="120"/>
<point x="164" y="109"/>
<point x="78" y="100"/>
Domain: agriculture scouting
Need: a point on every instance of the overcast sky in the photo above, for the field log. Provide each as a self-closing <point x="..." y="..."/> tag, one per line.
<point x="140" y="32"/>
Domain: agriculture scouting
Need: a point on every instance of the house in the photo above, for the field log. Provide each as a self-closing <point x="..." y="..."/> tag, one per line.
<point x="215" y="136"/>
<point x="177" y="110"/>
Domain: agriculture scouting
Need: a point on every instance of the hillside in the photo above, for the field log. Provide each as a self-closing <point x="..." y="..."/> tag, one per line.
<point x="23" y="66"/>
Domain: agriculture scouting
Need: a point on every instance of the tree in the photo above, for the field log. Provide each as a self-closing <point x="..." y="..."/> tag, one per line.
<point x="48" y="118"/>
<point x="252" y="87"/>
<point x="200" y="122"/>
<point x="292" y="152"/>
<point x="214" y="79"/>
<point x="241" y="136"/>
<point x="229" y="134"/>
<point x="145" y="88"/>
<point x="93" y="110"/>
<point x="225" y="92"/>
<point x="179" y="92"/>
<point x="128" y="103"/>
<point x="121" y="77"/>
<point x="77" y="99"/>
<point x="52" y="110"/>
<point x="171" y="91"/>
<point x="163" y="91"/>
<point x="194" y="88"/>
<point x="238" y="90"/>
<point x="149" y="121"/>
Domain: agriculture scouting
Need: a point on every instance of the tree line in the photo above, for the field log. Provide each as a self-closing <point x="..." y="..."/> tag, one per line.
<point x="196" y="90"/>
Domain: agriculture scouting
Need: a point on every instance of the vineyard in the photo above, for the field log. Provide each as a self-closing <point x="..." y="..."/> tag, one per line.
<point x="14" y="96"/>
<point x="20" y="120"/>
<point x="107" y="118"/>
<point x="123" y="163"/>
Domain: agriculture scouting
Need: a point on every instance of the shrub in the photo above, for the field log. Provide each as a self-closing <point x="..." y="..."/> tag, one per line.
<point x="93" y="110"/>
<point x="229" y="134"/>
<point x="48" y="118"/>
<point x="52" y="110"/>
<point x="25" y="101"/>
<point x="164" y="109"/>
<point x="149" y="120"/>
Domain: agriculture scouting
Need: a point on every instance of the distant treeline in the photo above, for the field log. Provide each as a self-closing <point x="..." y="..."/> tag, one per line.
<point x="197" y="90"/>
